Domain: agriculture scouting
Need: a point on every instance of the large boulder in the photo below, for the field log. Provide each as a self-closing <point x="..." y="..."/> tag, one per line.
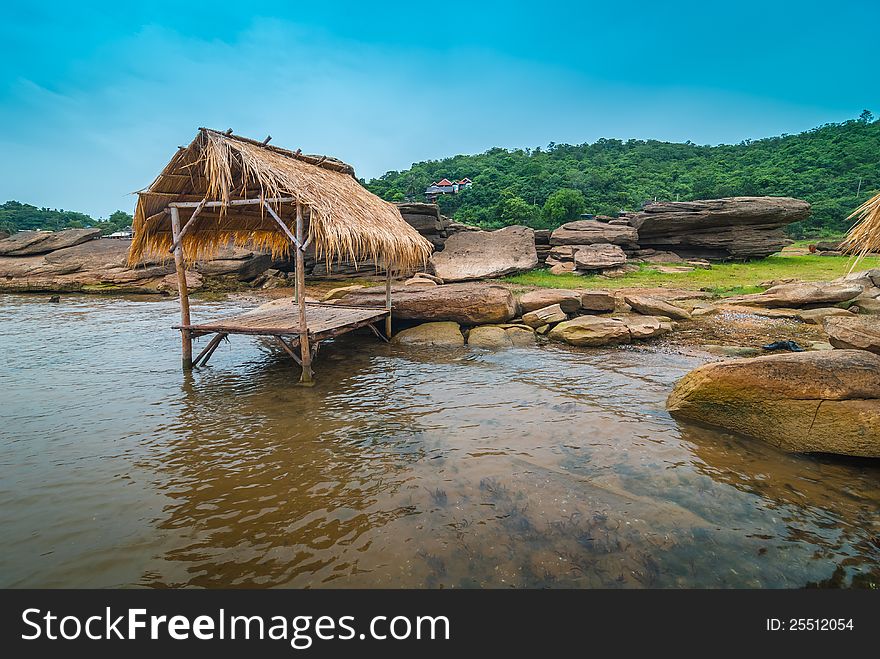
<point x="469" y="304"/>
<point x="801" y="294"/>
<point x="821" y="401"/>
<point x="591" y="232"/>
<point x="591" y="331"/>
<point x="243" y="264"/>
<point x="30" y="243"/>
<point x="442" y="334"/>
<point x="860" y="332"/>
<point x="733" y="227"/>
<point x="651" y="306"/>
<point x="486" y="254"/>
<point x="569" y="301"/>
<point x="599" y="257"/>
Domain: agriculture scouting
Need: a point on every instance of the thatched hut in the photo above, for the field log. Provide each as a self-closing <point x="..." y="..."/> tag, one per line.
<point x="864" y="236"/>
<point x="224" y="189"/>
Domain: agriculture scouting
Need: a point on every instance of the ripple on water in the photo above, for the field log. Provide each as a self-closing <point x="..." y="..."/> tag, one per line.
<point x="525" y="467"/>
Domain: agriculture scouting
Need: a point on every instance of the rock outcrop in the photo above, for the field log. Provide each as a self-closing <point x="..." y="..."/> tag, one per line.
<point x="729" y="228"/>
<point x="486" y="254"/>
<point x="439" y="334"/>
<point x="569" y="301"/>
<point x="651" y="306"/>
<point x="30" y="243"/>
<point x="600" y="331"/>
<point x="468" y="304"/>
<point x="859" y="332"/>
<point x="823" y="401"/>
<point x="501" y="336"/>
<point x="591" y="232"/>
<point x="599" y="257"/>
<point x="801" y="294"/>
<point x="427" y="220"/>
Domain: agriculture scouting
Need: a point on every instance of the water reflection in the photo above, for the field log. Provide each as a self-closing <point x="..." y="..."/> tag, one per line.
<point x="537" y="468"/>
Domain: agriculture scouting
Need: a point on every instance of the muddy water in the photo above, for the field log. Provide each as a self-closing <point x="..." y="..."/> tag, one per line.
<point x="543" y="468"/>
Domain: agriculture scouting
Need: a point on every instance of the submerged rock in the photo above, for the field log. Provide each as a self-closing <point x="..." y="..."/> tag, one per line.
<point x="486" y="254"/>
<point x="440" y="334"/>
<point x="817" y="401"/>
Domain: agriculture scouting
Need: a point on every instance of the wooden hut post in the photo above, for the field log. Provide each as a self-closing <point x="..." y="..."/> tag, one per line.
<point x="388" y="298"/>
<point x="304" y="349"/>
<point x="185" y="336"/>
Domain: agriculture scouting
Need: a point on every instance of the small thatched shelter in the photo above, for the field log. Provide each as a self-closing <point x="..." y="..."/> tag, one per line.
<point x="864" y="237"/>
<point x="224" y="189"/>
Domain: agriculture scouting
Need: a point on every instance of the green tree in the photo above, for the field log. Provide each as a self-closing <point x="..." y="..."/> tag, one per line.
<point x="564" y="205"/>
<point x="516" y="210"/>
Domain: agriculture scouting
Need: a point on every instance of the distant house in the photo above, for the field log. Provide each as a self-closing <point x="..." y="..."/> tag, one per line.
<point x="445" y="186"/>
<point x="124" y="234"/>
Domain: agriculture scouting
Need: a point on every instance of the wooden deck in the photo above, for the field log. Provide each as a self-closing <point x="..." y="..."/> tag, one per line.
<point x="324" y="321"/>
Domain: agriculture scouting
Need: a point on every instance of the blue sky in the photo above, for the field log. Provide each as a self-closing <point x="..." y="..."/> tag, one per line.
<point x="95" y="97"/>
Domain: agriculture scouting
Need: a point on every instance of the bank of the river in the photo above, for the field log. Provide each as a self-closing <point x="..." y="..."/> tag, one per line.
<point x="457" y="468"/>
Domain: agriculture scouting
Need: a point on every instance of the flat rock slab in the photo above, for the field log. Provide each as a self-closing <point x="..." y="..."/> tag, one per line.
<point x="440" y="334"/>
<point x="653" y="307"/>
<point x="591" y="232"/>
<point x="801" y="294"/>
<point x="859" y="332"/>
<point x="469" y="304"/>
<point x="569" y="301"/>
<point x="544" y="316"/>
<point x="30" y="243"/>
<point x="598" y="301"/>
<point x="819" y="401"/>
<point x="486" y="254"/>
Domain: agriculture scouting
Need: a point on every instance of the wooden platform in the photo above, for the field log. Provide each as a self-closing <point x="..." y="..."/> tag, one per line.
<point x="324" y="321"/>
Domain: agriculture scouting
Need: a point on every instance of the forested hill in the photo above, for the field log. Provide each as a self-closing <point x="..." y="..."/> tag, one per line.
<point x="16" y="216"/>
<point x="543" y="187"/>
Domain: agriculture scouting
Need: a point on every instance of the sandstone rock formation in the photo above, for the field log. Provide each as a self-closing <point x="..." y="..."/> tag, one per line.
<point x="438" y="334"/>
<point x="597" y="301"/>
<point x="591" y="232"/>
<point x="600" y="331"/>
<point x="500" y="336"/>
<point x="599" y="257"/>
<point x="486" y="254"/>
<point x="822" y="401"/>
<point x="734" y="227"/>
<point x="651" y="306"/>
<point x="469" y="304"/>
<point x="860" y="332"/>
<point x="544" y="316"/>
<point x="30" y="243"/>
<point x="569" y="301"/>
<point x="801" y="294"/>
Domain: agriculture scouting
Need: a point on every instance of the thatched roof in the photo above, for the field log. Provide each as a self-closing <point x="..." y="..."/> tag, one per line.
<point x="864" y="237"/>
<point x="344" y="220"/>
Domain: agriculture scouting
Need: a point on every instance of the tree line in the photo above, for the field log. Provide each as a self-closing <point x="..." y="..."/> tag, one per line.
<point x="16" y="216"/>
<point x="835" y="167"/>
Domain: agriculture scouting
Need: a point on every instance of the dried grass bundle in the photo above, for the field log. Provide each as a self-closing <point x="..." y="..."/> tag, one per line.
<point x="345" y="221"/>
<point x="864" y="236"/>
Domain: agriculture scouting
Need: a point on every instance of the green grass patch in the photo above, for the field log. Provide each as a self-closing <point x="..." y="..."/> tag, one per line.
<point x="723" y="279"/>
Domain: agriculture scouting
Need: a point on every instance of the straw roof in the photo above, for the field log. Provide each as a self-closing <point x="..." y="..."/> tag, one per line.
<point x="344" y="220"/>
<point x="864" y="237"/>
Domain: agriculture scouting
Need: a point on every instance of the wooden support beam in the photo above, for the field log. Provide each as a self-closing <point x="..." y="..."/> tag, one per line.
<point x="306" y="354"/>
<point x="288" y="350"/>
<point x="186" y="227"/>
<point x="209" y="350"/>
<point x="388" y="299"/>
<point x="232" y="202"/>
<point x="283" y="226"/>
<point x="378" y="333"/>
<point x="185" y="338"/>
<point x="267" y="140"/>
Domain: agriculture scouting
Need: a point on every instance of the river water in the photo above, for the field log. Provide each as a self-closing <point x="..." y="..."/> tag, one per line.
<point x="549" y="467"/>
